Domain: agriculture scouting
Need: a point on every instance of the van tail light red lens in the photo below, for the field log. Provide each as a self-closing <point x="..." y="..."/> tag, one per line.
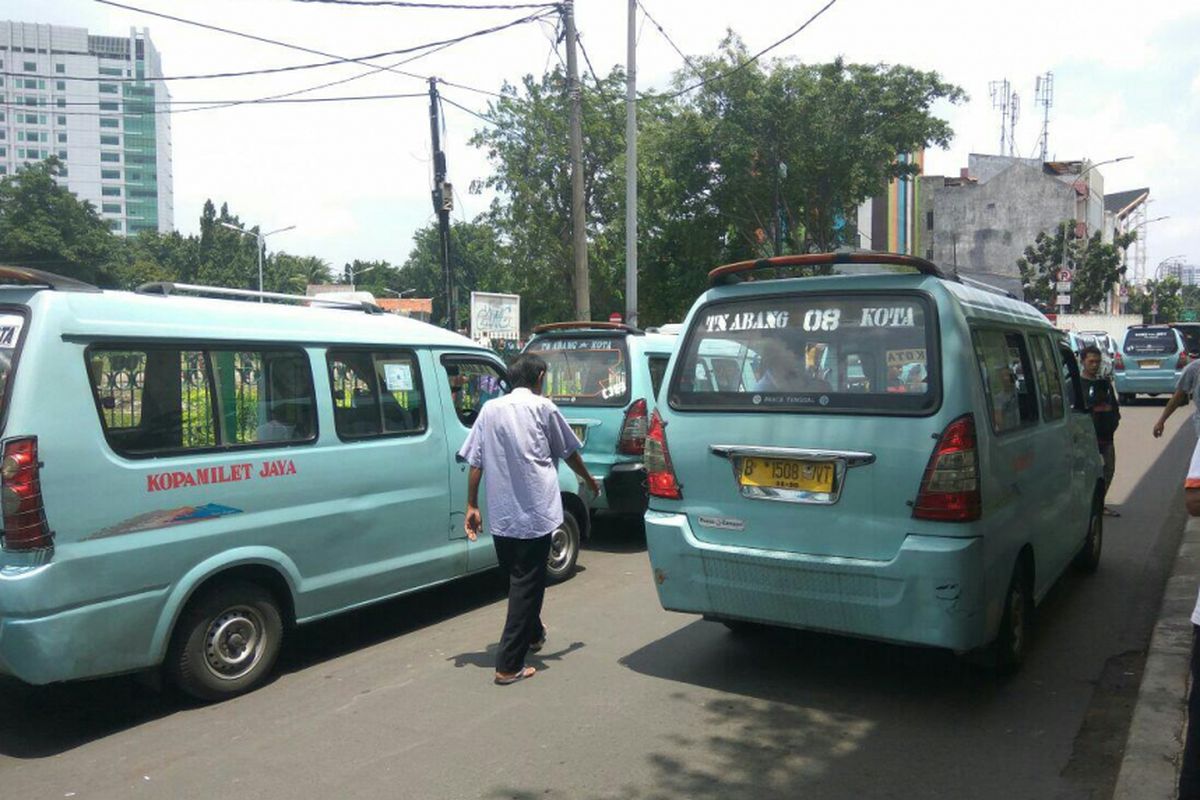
<point x="950" y="486"/>
<point x="632" y="441"/>
<point x="660" y="474"/>
<point x="25" y="525"/>
<point x="1118" y="362"/>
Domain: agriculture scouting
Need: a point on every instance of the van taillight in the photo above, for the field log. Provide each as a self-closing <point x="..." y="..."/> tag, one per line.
<point x="25" y="525"/>
<point x="1118" y="362"/>
<point x="950" y="486"/>
<point x="632" y="441"/>
<point x="660" y="475"/>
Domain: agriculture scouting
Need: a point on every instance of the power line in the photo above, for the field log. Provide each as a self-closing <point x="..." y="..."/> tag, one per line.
<point x="686" y="59"/>
<point x="745" y="63"/>
<point x="204" y="105"/>
<point x="447" y="6"/>
<point x="469" y="111"/>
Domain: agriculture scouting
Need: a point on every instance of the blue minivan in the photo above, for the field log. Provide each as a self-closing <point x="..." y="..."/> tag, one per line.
<point x="885" y="451"/>
<point x="605" y="376"/>
<point x="1149" y="361"/>
<point x="184" y="478"/>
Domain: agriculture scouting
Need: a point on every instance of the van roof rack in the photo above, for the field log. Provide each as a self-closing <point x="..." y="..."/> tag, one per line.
<point x="581" y="325"/>
<point x="723" y="275"/>
<point x="23" y="276"/>
<point x="167" y="288"/>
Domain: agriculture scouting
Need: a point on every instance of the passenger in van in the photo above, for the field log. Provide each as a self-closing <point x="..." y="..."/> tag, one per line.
<point x="781" y="370"/>
<point x="516" y="442"/>
<point x="275" y="429"/>
<point x="1005" y="401"/>
<point x="1106" y="413"/>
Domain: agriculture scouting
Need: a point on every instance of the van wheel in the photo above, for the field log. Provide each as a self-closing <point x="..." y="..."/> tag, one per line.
<point x="1088" y="560"/>
<point x="1125" y="398"/>
<point x="1013" y="640"/>
<point x="564" y="550"/>
<point x="226" y="642"/>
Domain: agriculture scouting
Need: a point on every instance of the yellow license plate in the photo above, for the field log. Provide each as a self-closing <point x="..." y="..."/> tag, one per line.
<point x="580" y="432"/>
<point x="779" y="473"/>
<point x="1149" y="364"/>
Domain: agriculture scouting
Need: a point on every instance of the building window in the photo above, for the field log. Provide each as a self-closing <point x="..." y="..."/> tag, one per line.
<point x="110" y="71"/>
<point x="62" y="155"/>
<point x="3" y="133"/>
<point x="29" y="83"/>
<point x="110" y="157"/>
<point x="111" y="208"/>
<point x="132" y="176"/>
<point x="108" y="88"/>
<point x="114" y="224"/>
<point x="109" y="139"/>
<point x="110" y="191"/>
<point x="109" y="122"/>
<point x="3" y="152"/>
<point x="60" y="119"/>
<point x="30" y="66"/>
<point x="61" y="102"/>
<point x="60" y="86"/>
<point x="60" y="68"/>
<point x="928" y="220"/>
<point x="109" y="106"/>
<point x="3" y="168"/>
<point x="62" y="138"/>
<point x="110" y="174"/>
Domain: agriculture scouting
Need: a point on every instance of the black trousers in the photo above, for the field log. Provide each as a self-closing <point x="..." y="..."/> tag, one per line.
<point x="1189" y="775"/>
<point x="525" y="562"/>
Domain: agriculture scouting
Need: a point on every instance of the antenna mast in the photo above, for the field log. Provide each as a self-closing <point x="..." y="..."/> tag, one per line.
<point x="1001" y="92"/>
<point x="1045" y="99"/>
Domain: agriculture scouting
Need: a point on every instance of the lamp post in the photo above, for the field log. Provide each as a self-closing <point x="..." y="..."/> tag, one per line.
<point x="401" y="294"/>
<point x="352" y="272"/>
<point x="261" y="239"/>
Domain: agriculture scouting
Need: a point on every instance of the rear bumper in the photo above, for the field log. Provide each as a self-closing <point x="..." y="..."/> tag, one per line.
<point x="932" y="593"/>
<point x="1130" y="382"/>
<point x="625" y="488"/>
<point x="101" y="638"/>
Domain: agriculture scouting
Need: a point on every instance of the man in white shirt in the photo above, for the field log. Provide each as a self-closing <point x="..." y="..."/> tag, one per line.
<point x="1189" y="775"/>
<point x="517" y="441"/>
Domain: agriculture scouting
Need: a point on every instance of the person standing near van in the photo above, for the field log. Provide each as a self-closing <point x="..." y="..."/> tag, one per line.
<point x="516" y="441"/>
<point x="1106" y="413"/>
<point x="1185" y="390"/>
<point x="1189" y="774"/>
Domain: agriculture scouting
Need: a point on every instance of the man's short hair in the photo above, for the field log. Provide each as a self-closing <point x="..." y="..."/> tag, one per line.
<point x="524" y="372"/>
<point x="1091" y="350"/>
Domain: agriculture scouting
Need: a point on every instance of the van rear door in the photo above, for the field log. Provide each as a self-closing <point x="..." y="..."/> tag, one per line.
<point x="801" y="422"/>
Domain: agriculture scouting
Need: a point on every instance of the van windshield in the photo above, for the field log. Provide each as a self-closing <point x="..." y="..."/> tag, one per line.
<point x="865" y="353"/>
<point x="584" y="370"/>
<point x="1157" y="341"/>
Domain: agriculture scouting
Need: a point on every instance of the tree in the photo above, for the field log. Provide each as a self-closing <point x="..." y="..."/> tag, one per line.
<point x="44" y="226"/>
<point x="480" y="265"/>
<point x="293" y="274"/>
<point x="1095" y="265"/>
<point x="1164" y="294"/>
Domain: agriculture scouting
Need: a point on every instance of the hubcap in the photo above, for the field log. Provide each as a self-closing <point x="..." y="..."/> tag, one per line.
<point x="560" y="548"/>
<point x="234" y="642"/>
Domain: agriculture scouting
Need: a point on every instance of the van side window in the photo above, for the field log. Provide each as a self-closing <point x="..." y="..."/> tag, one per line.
<point x="472" y="383"/>
<point x="1007" y="378"/>
<point x="1070" y="373"/>
<point x="264" y="396"/>
<point x="1049" y="379"/>
<point x="153" y="400"/>
<point x="658" y="370"/>
<point x="376" y="393"/>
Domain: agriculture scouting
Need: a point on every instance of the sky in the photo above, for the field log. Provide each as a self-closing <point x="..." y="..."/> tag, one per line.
<point x="354" y="178"/>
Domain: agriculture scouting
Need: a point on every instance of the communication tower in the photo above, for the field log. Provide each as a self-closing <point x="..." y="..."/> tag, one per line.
<point x="1044" y="97"/>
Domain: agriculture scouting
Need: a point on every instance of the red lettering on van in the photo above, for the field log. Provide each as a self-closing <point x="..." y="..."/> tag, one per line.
<point x="277" y="468"/>
<point x="154" y="484"/>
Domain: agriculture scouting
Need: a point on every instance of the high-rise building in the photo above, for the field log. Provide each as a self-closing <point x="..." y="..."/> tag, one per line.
<point x="98" y="104"/>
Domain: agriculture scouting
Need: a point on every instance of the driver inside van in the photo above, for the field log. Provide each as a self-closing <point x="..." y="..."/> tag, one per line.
<point x="781" y="370"/>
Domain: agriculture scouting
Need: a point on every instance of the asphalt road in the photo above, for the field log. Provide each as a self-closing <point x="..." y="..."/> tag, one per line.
<point x="633" y="702"/>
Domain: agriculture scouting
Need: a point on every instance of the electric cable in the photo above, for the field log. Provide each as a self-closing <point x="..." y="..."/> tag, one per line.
<point x="686" y="58"/>
<point x="446" y="6"/>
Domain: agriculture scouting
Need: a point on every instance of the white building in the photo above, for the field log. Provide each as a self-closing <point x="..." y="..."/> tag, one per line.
<point x="96" y="103"/>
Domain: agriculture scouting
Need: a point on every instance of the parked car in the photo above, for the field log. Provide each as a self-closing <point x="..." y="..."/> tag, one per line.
<point x="1190" y="331"/>
<point x="1149" y="361"/>
<point x="184" y="478"/>
<point x="902" y="457"/>
<point x="606" y="377"/>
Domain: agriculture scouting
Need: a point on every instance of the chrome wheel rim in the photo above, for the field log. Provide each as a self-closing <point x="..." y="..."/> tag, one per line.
<point x="560" y="548"/>
<point x="234" y="642"/>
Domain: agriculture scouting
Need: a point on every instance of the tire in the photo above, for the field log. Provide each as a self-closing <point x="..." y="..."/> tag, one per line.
<point x="1125" y="398"/>
<point x="210" y="657"/>
<point x="1088" y="559"/>
<point x="741" y="628"/>
<point x="564" y="550"/>
<point x="1012" y="642"/>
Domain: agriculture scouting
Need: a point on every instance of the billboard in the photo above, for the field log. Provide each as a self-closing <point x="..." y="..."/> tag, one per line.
<point x="495" y="316"/>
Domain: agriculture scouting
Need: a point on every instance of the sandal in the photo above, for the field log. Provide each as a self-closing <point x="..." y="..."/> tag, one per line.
<point x="506" y="680"/>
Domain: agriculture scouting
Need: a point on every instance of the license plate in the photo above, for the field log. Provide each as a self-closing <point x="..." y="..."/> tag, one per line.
<point x="580" y="432"/>
<point x="779" y="473"/>
<point x="1149" y="364"/>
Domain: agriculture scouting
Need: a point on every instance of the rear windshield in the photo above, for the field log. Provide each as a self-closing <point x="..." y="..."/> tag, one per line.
<point x="1191" y="337"/>
<point x="859" y="353"/>
<point x="1160" y="341"/>
<point x="585" y="370"/>
<point x="10" y="336"/>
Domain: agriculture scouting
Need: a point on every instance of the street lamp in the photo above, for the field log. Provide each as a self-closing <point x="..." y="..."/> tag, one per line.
<point x="404" y="293"/>
<point x="260" y="239"/>
<point x="352" y="272"/>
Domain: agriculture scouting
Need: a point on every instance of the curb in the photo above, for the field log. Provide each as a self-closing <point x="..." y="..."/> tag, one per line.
<point x="1150" y="766"/>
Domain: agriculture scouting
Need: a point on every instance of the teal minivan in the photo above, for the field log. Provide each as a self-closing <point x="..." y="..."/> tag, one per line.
<point x="605" y="376"/>
<point x="1149" y="361"/>
<point x="184" y="478"/>
<point x="889" y="453"/>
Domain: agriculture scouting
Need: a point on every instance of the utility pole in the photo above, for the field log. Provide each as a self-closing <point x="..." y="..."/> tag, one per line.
<point x="583" y="305"/>
<point x="631" y="227"/>
<point x="443" y="202"/>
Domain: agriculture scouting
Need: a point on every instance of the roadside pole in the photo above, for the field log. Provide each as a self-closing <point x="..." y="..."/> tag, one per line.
<point x="442" y="201"/>
<point x="583" y="305"/>
<point x="631" y="247"/>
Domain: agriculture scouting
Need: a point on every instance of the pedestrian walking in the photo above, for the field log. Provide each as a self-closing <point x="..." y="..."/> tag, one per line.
<point x="1106" y="414"/>
<point x="516" y="443"/>
<point x="1189" y="774"/>
<point x="1185" y="390"/>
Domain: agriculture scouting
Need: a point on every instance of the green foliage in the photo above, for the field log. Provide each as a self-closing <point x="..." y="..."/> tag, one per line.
<point x="480" y="262"/>
<point x="44" y="226"/>
<point x="1095" y="266"/>
<point x="1168" y="294"/>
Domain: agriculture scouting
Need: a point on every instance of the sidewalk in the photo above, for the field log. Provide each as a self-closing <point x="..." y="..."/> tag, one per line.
<point x="1150" y="766"/>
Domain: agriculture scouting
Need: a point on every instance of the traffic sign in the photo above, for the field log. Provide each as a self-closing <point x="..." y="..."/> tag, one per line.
<point x="1063" y="300"/>
<point x="1064" y="287"/>
<point x="1065" y="275"/>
